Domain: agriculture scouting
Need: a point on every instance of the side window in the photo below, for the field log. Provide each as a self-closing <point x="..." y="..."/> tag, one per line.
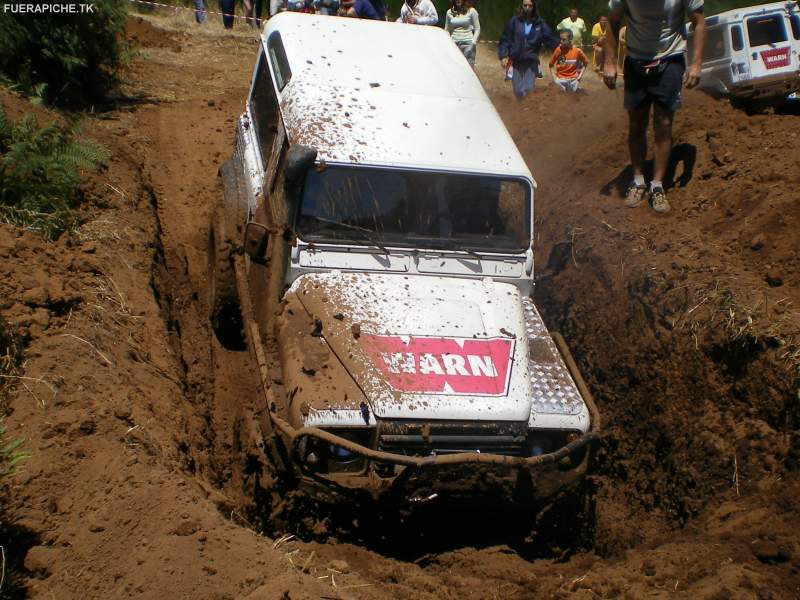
<point x="795" y="19"/>
<point x="715" y="44"/>
<point x="264" y="109"/>
<point x="737" y="41"/>
<point x="277" y="56"/>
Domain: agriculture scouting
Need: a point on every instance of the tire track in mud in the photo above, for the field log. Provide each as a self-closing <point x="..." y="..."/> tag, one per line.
<point x="216" y="380"/>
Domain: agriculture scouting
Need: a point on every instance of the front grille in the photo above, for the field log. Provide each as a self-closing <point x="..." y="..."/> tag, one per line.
<point x="413" y="438"/>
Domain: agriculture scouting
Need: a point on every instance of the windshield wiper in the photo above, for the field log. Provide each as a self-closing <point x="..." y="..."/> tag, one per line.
<point x="470" y="252"/>
<point x="443" y="248"/>
<point x="366" y="234"/>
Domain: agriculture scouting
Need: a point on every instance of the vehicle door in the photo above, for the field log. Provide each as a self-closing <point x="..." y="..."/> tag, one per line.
<point x="794" y="25"/>
<point x="265" y="274"/>
<point x="770" y="49"/>
<point x="716" y="71"/>
<point x="739" y="54"/>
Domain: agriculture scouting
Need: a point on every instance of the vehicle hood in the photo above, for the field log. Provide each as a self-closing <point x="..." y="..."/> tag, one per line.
<point x="423" y="347"/>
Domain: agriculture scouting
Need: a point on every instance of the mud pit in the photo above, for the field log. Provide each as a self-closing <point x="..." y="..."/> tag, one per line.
<point x="685" y="327"/>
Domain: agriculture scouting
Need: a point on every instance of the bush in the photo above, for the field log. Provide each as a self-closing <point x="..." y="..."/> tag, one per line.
<point x="68" y="60"/>
<point x="39" y="176"/>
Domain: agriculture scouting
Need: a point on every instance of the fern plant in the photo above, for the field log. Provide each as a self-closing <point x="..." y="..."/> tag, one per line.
<point x="39" y="174"/>
<point x="10" y="454"/>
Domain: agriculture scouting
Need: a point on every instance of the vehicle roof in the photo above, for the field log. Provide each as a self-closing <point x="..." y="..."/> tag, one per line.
<point x="742" y="11"/>
<point x="381" y="93"/>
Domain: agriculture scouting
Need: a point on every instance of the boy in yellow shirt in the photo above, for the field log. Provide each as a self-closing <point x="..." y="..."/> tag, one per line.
<point x="598" y="42"/>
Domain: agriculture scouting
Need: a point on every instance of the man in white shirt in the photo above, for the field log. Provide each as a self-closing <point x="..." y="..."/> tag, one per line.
<point x="655" y="70"/>
<point x="574" y="24"/>
<point x="418" y="12"/>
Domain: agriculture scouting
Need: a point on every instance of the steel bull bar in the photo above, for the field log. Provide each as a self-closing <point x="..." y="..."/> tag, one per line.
<point x="295" y="436"/>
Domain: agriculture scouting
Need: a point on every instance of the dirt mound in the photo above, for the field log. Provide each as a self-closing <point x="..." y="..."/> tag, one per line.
<point x="140" y="425"/>
<point x="142" y="34"/>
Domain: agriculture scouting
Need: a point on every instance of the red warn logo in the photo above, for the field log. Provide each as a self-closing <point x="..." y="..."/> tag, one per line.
<point x="437" y="365"/>
<point x="775" y="58"/>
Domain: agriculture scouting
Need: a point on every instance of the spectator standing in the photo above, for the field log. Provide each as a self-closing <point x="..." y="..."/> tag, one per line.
<point x="654" y="72"/>
<point x="576" y="25"/>
<point x="199" y="11"/>
<point x="228" y="9"/>
<point x="622" y="48"/>
<point x="275" y="6"/>
<point x="418" y="12"/>
<point x="301" y="6"/>
<point x="570" y="63"/>
<point x="522" y="39"/>
<point x="253" y="14"/>
<point x="368" y="9"/>
<point x="598" y="42"/>
<point x="327" y="7"/>
<point x="463" y="24"/>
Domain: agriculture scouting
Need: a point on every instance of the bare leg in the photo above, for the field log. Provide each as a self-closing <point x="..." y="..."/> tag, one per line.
<point x="662" y="127"/>
<point x="637" y="137"/>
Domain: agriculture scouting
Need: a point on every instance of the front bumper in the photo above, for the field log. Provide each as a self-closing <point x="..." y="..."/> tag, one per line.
<point x="571" y="457"/>
<point x="766" y="88"/>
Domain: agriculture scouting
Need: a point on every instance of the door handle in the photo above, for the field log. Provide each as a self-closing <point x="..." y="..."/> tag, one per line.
<point x="755" y="55"/>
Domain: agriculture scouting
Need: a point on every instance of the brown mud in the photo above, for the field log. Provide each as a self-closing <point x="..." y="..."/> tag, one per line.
<point x="140" y="424"/>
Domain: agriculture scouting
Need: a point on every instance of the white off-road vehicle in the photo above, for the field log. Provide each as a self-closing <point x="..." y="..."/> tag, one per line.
<point x="375" y="246"/>
<point x="752" y="54"/>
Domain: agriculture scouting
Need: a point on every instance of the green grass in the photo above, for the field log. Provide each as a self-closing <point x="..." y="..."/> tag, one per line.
<point x="40" y="174"/>
<point x="10" y="359"/>
<point x="495" y="13"/>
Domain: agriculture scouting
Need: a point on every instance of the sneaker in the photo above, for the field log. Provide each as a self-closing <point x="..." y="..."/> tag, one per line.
<point x="635" y="195"/>
<point x="658" y="200"/>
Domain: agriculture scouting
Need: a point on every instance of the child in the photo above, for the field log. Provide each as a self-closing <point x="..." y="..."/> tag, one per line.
<point x="570" y="63"/>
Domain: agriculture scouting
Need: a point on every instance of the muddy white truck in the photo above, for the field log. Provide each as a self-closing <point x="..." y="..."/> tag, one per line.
<point x="375" y="246"/>
<point x="752" y="55"/>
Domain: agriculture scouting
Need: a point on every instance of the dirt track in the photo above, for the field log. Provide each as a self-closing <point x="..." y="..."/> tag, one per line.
<point x="685" y="325"/>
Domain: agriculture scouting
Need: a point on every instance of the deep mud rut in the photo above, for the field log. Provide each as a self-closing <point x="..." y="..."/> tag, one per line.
<point x="140" y="424"/>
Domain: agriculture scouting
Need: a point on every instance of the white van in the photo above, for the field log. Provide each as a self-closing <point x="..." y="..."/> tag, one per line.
<point x="752" y="54"/>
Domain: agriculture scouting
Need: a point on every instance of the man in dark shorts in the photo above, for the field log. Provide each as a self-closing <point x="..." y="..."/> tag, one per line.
<point x="655" y="71"/>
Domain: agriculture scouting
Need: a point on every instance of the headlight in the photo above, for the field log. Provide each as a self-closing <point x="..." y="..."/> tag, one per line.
<point x="330" y="458"/>
<point x="553" y="390"/>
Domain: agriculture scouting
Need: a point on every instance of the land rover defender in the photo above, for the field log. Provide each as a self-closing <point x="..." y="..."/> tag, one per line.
<point x="375" y="246"/>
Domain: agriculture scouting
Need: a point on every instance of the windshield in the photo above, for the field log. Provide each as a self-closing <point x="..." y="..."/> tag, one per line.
<point x="415" y="209"/>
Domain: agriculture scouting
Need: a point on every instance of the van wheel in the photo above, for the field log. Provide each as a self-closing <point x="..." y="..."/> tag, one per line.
<point x="224" y="311"/>
<point x="749" y="107"/>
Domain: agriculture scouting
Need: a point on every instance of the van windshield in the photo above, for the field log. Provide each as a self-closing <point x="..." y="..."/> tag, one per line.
<point x="766" y="30"/>
<point x="415" y="209"/>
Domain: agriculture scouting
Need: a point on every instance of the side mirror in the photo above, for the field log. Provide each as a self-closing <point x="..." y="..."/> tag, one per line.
<point x="299" y="159"/>
<point x="256" y="238"/>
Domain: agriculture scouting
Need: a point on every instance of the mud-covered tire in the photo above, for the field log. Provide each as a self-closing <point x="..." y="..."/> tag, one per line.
<point x="224" y="312"/>
<point x="749" y="107"/>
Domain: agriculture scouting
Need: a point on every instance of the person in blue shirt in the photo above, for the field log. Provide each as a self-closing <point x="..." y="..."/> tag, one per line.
<point x="368" y="9"/>
<point x="522" y="39"/>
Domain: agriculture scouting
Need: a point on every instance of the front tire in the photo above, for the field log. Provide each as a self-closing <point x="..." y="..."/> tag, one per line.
<point x="224" y="311"/>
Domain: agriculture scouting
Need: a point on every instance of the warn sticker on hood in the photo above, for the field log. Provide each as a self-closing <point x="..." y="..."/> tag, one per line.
<point x="443" y="365"/>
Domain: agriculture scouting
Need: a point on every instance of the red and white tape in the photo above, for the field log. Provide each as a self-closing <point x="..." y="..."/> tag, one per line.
<point x="175" y="7"/>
